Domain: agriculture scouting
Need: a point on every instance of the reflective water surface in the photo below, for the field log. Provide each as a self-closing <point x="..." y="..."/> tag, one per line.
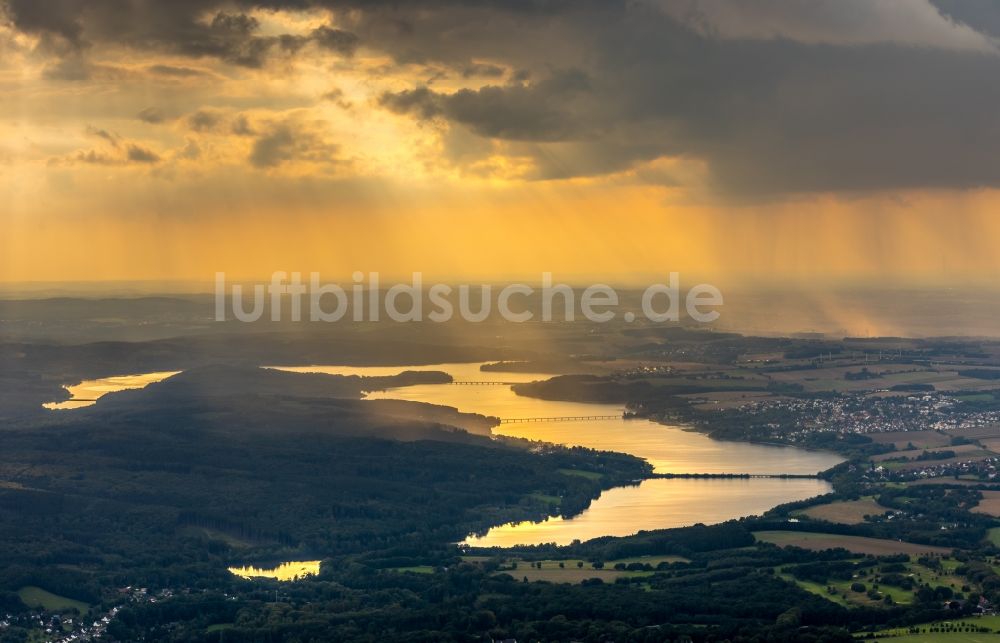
<point x="657" y="504"/>
<point x="88" y="391"/>
<point x="652" y="504"/>
<point x="286" y="571"/>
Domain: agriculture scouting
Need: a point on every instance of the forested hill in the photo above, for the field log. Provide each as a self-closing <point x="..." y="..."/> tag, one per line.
<point x="33" y="371"/>
<point x="227" y="379"/>
<point x="245" y="398"/>
<point x="182" y="480"/>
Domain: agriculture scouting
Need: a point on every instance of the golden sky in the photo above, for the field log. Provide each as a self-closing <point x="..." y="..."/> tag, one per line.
<point x="593" y="140"/>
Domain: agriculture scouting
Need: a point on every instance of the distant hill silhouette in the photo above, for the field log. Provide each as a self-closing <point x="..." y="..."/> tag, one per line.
<point x="242" y="399"/>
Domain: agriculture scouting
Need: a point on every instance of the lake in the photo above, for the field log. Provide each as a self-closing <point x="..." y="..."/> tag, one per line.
<point x="653" y="504"/>
<point x="285" y="571"/>
<point x="88" y="391"/>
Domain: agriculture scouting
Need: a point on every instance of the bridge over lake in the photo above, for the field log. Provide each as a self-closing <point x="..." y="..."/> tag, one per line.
<point x="561" y="418"/>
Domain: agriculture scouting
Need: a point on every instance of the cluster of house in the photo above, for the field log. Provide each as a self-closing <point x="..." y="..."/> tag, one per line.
<point x="82" y="632"/>
<point x="867" y="414"/>
<point x="979" y="468"/>
<point x="66" y="628"/>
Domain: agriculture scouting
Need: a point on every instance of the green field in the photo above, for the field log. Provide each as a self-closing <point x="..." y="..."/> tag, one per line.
<point x="552" y="573"/>
<point x="37" y="597"/>
<point x="975" y="397"/>
<point x="844" y="595"/>
<point x="590" y="475"/>
<point x="816" y="588"/>
<point x="927" y="636"/>
<point x="415" y="569"/>
<point x="939" y="637"/>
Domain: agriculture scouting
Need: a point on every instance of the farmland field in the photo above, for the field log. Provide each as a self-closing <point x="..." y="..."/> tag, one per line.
<point x="848" y="512"/>
<point x="37" y="597"/>
<point x="978" y="432"/>
<point x="990" y="504"/>
<point x="914" y="453"/>
<point x="883" y="376"/>
<point x="919" y="439"/>
<point x="552" y="573"/>
<point x="857" y="544"/>
<point x="964" y="482"/>
<point x="719" y="400"/>
<point x="972" y="456"/>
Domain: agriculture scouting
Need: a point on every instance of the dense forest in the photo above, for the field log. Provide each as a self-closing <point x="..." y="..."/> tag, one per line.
<point x="123" y="485"/>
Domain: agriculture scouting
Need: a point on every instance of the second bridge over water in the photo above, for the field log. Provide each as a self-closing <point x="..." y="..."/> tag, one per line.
<point x="562" y="418"/>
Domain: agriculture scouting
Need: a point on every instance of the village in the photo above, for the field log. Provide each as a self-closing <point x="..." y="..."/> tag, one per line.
<point x="55" y="619"/>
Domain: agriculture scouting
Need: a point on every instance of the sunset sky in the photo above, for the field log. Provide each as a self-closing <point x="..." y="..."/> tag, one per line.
<point x="775" y="140"/>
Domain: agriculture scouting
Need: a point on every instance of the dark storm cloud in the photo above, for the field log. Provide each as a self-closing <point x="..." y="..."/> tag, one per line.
<point x="57" y="18"/>
<point x="343" y="42"/>
<point x="767" y="116"/>
<point x="541" y="112"/>
<point x="780" y="116"/>
<point x="235" y="24"/>
<point x="982" y="15"/>
<point x="421" y="102"/>
<point x="69" y="26"/>
<point x="772" y="97"/>
<point x="482" y="70"/>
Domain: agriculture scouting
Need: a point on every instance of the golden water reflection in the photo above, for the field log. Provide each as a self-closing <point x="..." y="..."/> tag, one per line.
<point x="88" y="391"/>
<point x="653" y="504"/>
<point x="657" y="504"/>
<point x="460" y="371"/>
<point x="284" y="572"/>
<point x="670" y="449"/>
